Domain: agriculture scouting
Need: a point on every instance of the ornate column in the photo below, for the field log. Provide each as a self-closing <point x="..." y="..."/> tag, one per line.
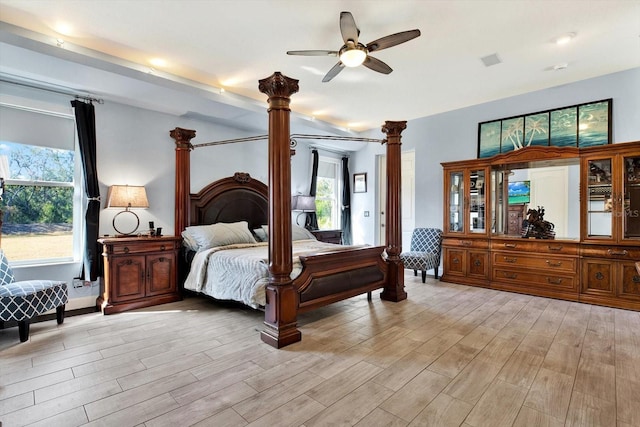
<point x="280" y="316"/>
<point x="182" y="139"/>
<point x="394" y="291"/>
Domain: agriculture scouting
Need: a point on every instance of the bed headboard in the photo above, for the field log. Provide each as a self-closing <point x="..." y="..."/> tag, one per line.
<point x="232" y="199"/>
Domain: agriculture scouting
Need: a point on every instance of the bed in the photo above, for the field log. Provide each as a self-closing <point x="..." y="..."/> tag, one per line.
<point x="325" y="275"/>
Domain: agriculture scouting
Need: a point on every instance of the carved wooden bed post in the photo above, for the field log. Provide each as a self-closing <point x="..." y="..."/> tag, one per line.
<point x="280" y="316"/>
<point x="182" y="139"/>
<point x="394" y="290"/>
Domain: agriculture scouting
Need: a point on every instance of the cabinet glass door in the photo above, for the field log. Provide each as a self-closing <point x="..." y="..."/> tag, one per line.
<point x="631" y="198"/>
<point x="477" y="201"/>
<point x="456" y="201"/>
<point x="601" y="201"/>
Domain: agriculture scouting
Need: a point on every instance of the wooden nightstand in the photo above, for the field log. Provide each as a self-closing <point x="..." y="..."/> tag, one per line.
<point x="329" y="236"/>
<point x="138" y="272"/>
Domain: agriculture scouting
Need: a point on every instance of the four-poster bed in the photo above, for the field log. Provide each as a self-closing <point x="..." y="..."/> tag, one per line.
<point x="325" y="277"/>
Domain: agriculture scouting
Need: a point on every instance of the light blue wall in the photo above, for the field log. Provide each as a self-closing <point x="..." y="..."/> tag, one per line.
<point x="453" y="136"/>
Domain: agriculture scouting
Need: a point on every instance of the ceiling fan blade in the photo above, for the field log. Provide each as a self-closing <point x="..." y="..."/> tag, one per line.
<point x="333" y="72"/>
<point x="392" y="40"/>
<point x="313" y="52"/>
<point x="348" y="27"/>
<point x="377" y="65"/>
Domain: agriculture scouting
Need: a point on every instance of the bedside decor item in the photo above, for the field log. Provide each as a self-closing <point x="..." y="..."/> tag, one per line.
<point x="582" y="125"/>
<point x="360" y="182"/>
<point x="303" y="204"/>
<point x="127" y="196"/>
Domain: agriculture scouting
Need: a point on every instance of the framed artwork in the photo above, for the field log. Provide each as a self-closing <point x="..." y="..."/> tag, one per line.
<point x="582" y="125"/>
<point x="360" y="182"/>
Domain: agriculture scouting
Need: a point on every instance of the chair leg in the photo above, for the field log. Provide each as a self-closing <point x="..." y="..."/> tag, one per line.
<point x="424" y="276"/>
<point x="60" y="314"/>
<point x="435" y="273"/>
<point x="23" y="330"/>
<point x="369" y="296"/>
<point x="415" y="272"/>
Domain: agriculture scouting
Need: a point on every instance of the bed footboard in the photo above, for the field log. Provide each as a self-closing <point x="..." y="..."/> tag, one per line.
<point x="335" y="276"/>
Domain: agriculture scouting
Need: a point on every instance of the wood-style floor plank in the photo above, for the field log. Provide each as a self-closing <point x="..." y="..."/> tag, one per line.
<point x="450" y="355"/>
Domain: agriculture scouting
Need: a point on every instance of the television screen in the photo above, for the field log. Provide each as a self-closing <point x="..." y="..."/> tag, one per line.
<point x="519" y="192"/>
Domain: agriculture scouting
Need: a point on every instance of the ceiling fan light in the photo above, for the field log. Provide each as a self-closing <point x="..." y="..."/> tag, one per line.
<point x="353" y="57"/>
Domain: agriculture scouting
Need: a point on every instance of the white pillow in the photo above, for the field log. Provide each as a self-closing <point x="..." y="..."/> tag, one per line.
<point x="220" y="234"/>
<point x="297" y="233"/>
<point x="300" y="233"/>
<point x="261" y="234"/>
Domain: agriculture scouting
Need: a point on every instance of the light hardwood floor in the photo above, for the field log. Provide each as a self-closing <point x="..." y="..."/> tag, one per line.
<point x="450" y="355"/>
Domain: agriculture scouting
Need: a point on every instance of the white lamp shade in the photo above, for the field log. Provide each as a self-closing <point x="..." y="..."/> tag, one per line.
<point x="303" y="203"/>
<point x="127" y="196"/>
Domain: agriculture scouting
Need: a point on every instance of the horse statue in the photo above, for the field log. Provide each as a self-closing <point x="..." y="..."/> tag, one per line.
<point x="536" y="226"/>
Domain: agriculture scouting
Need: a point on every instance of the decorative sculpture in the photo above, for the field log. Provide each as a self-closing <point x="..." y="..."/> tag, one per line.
<point x="535" y="225"/>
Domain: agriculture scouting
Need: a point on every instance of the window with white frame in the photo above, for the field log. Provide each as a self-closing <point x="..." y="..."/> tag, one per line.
<point x="42" y="199"/>
<point x="329" y="193"/>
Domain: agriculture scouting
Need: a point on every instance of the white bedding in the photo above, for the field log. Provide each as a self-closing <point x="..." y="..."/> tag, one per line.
<point x="240" y="272"/>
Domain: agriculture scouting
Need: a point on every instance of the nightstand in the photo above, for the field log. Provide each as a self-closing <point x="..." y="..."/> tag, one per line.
<point x="328" y="236"/>
<point x="138" y="272"/>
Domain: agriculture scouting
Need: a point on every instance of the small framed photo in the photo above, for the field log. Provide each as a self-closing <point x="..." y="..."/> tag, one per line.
<point x="360" y="182"/>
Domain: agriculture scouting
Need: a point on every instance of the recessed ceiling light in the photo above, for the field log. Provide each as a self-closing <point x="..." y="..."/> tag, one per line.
<point x="63" y="28"/>
<point x="158" y="62"/>
<point x="559" y="67"/>
<point x="566" y="38"/>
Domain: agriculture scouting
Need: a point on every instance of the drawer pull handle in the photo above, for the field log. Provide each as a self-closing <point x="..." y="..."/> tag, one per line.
<point x="554" y="264"/>
<point x="126" y="249"/>
<point x="636" y="279"/>
<point x="456" y="261"/>
<point x="510" y="275"/>
<point x="477" y="263"/>
<point x="555" y="248"/>
<point x="511" y="260"/>
<point x="612" y="252"/>
<point x="162" y="248"/>
<point x="466" y="243"/>
<point x="599" y="276"/>
<point x="510" y="245"/>
<point x="555" y="281"/>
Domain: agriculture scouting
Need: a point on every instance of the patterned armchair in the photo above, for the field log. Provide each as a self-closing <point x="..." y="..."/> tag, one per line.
<point x="22" y="301"/>
<point x="424" y="253"/>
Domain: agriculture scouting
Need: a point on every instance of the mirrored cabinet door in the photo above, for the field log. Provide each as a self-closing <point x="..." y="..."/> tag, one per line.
<point x="631" y="198"/>
<point x="600" y="199"/>
<point x="477" y="200"/>
<point x="456" y="201"/>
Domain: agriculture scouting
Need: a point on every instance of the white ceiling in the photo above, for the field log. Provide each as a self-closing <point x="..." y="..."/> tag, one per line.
<point x="231" y="44"/>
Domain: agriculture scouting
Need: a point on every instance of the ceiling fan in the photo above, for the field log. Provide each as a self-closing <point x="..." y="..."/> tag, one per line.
<point x="353" y="53"/>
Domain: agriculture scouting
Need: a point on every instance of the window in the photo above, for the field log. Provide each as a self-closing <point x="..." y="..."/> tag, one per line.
<point x="41" y="218"/>
<point x="328" y="193"/>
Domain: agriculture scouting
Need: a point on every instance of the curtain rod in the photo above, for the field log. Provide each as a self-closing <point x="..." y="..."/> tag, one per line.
<point x="60" y="92"/>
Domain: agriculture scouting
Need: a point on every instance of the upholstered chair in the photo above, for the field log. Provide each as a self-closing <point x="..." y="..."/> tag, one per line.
<point x="424" y="252"/>
<point x="22" y="301"/>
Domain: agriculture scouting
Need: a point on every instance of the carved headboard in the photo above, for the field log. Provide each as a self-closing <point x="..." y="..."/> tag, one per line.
<point x="232" y="199"/>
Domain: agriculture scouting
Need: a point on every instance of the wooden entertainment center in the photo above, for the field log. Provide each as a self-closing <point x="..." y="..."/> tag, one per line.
<point x="591" y="195"/>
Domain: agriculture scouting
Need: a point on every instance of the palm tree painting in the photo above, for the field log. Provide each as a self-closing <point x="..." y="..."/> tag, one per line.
<point x="536" y="129"/>
<point x="512" y="134"/>
<point x="489" y="139"/>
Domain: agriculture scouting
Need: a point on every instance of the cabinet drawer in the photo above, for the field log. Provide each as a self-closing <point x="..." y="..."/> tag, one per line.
<point x="521" y="259"/>
<point x="539" y="247"/>
<point x="630" y="253"/>
<point x="534" y="279"/>
<point x="466" y="243"/>
<point x="142" y="248"/>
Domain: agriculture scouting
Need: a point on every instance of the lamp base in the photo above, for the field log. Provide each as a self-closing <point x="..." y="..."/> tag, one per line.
<point x="126" y="233"/>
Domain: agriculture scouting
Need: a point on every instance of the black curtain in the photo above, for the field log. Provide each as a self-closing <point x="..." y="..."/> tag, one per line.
<point x="346" y="203"/>
<point x="86" y="126"/>
<point x="311" y="223"/>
